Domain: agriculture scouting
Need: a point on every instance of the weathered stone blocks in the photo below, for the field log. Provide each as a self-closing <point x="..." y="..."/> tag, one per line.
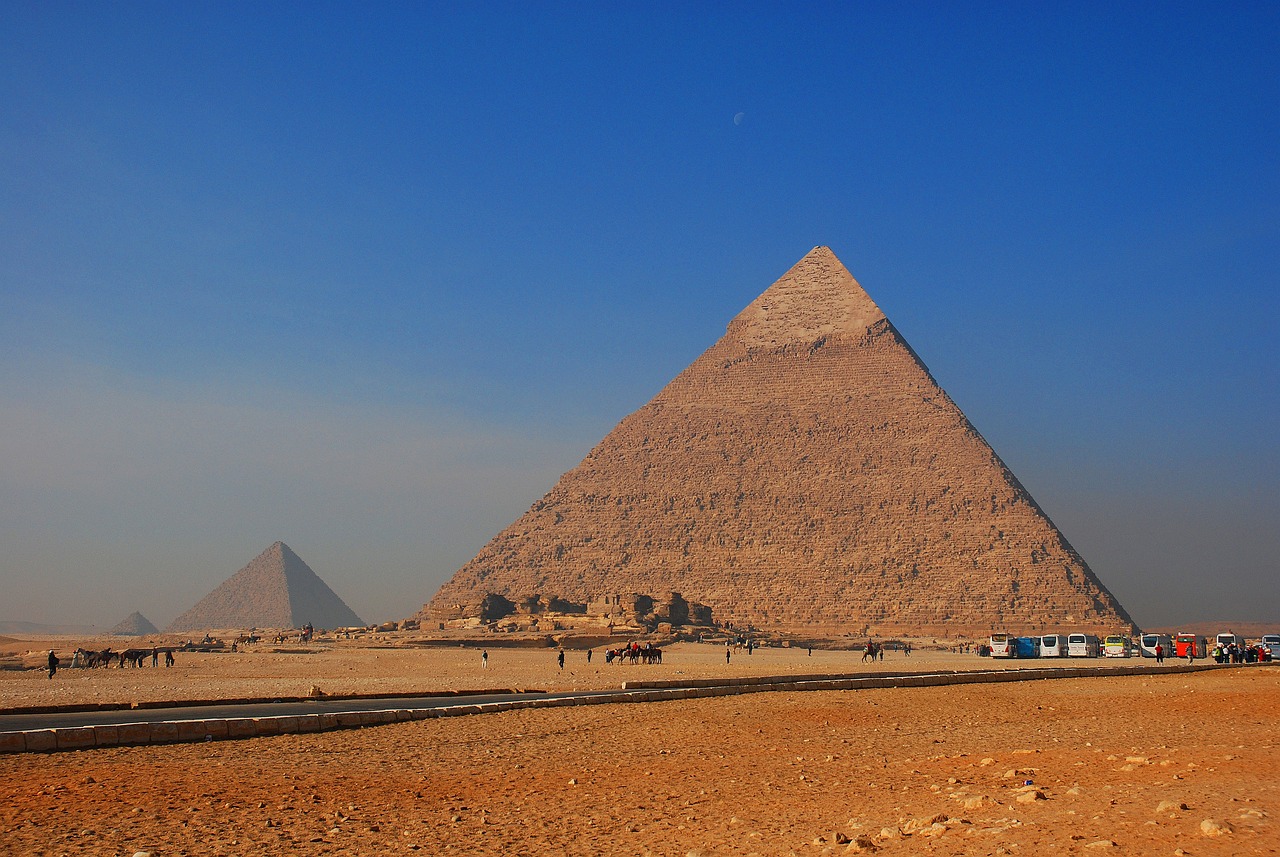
<point x="806" y="472"/>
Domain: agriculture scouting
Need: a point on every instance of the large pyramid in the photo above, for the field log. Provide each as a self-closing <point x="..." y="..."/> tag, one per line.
<point x="805" y="473"/>
<point x="276" y="590"/>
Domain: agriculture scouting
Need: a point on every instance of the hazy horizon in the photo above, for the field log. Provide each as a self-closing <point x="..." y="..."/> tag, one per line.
<point x="368" y="280"/>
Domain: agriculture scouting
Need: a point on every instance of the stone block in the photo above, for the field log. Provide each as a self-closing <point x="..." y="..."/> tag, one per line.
<point x="133" y="733"/>
<point x="267" y="725"/>
<point x="13" y="742"/>
<point x="75" y="738"/>
<point x="191" y="730"/>
<point x="242" y="727"/>
<point x="106" y="736"/>
<point x="286" y="725"/>
<point x="41" y="740"/>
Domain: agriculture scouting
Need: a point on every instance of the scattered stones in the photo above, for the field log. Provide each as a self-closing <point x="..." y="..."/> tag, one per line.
<point x="1214" y="827"/>
<point x="861" y="844"/>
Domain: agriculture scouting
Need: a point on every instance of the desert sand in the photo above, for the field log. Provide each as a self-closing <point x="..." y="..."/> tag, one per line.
<point x="1147" y="764"/>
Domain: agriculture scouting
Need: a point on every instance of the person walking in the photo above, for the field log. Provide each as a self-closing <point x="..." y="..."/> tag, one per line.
<point x="588" y="656"/>
<point x="1159" y="653"/>
<point x="561" y="659"/>
<point x="53" y="663"/>
<point x="484" y="659"/>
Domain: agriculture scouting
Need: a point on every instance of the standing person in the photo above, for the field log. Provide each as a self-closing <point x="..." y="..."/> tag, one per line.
<point x="560" y="658"/>
<point x="484" y="659"/>
<point x="588" y="656"/>
<point x="53" y="663"/>
<point x="155" y="656"/>
<point x="1159" y="653"/>
<point x="727" y="652"/>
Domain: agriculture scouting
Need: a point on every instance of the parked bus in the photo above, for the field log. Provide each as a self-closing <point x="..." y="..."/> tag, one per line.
<point x="1148" y="642"/>
<point x="1227" y="638"/>
<point x="1053" y="646"/>
<point x="1028" y="647"/>
<point x="1116" y="646"/>
<point x="1003" y="646"/>
<point x="1271" y="642"/>
<point x="1190" y="646"/>
<point x="1082" y="646"/>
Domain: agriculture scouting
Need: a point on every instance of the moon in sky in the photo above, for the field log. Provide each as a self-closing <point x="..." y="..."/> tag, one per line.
<point x="738" y="117"/>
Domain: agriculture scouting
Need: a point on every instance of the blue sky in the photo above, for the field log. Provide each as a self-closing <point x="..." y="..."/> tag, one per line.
<point x="368" y="278"/>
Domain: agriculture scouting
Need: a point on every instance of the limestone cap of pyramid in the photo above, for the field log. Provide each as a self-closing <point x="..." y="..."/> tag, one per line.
<point x="817" y="298"/>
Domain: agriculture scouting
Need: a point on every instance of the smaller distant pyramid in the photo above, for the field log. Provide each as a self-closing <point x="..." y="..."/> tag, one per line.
<point x="135" y="625"/>
<point x="276" y="590"/>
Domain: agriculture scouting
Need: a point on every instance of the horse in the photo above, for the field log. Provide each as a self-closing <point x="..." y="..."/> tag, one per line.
<point x="871" y="651"/>
<point x="651" y="655"/>
<point x="133" y="657"/>
<point x="100" y="659"/>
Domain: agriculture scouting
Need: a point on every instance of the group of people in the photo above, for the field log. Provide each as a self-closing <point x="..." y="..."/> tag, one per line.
<point x="1234" y="654"/>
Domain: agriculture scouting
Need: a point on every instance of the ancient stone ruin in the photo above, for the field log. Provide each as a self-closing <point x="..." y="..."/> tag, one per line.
<point x="668" y="613"/>
<point x="276" y="590"/>
<point x="806" y="473"/>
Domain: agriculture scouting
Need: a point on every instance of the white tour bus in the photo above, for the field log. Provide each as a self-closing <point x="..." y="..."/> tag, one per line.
<point x="1227" y="638"/>
<point x="1082" y="646"/>
<point x="1272" y="643"/>
<point x="1053" y="646"/>
<point x="1004" y="646"/>
<point x="1148" y="642"/>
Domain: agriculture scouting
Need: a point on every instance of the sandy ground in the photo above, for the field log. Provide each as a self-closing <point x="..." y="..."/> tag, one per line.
<point x="1134" y="765"/>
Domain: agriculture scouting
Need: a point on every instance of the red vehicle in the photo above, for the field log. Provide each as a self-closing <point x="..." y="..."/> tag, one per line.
<point x="1189" y="645"/>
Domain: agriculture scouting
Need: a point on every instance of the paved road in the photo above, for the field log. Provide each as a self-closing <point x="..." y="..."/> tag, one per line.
<point x="20" y="722"/>
<point x="63" y="719"/>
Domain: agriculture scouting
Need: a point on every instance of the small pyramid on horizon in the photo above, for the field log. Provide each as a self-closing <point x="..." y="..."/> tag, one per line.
<point x="134" y="625"/>
<point x="805" y="473"/>
<point x="276" y="590"/>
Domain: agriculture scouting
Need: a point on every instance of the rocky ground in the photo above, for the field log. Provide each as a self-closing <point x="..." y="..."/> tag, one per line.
<point x="1158" y="764"/>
